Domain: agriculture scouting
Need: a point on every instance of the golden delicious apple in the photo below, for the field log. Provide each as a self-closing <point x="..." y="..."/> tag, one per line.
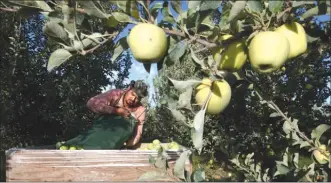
<point x="220" y="96"/>
<point x="233" y="57"/>
<point x="296" y="36"/>
<point x="148" y="43"/>
<point x="319" y="157"/>
<point x="268" y="51"/>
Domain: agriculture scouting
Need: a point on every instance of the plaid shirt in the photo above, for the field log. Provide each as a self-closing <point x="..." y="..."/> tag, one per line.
<point x="105" y="103"/>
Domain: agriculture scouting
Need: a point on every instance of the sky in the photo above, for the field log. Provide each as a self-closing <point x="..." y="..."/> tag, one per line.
<point x="138" y="71"/>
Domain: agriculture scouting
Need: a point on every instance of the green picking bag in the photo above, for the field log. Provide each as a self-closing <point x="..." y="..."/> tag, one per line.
<point x="107" y="132"/>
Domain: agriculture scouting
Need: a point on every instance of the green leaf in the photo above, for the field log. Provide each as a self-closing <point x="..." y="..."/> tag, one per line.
<point x="281" y="169"/>
<point x="184" y="100"/>
<point x="296" y="159"/>
<point x="147" y="67"/>
<point x="119" y="48"/>
<point x="176" y="5"/>
<point x="193" y="5"/>
<point x="121" y="17"/>
<point x="198" y="127"/>
<point x="318" y="10"/>
<point x="55" y="30"/>
<point x="312" y="39"/>
<point x="197" y="138"/>
<point x="151" y="159"/>
<point x="69" y="21"/>
<point x="55" y="16"/>
<point x="236" y="9"/>
<point x="319" y="130"/>
<point x="199" y="118"/>
<point x="275" y="114"/>
<point x="197" y="60"/>
<point x="199" y="175"/>
<point x="42" y="5"/>
<point x="224" y="25"/>
<point x="153" y="176"/>
<point x="183" y="85"/>
<point x="57" y="58"/>
<point x="206" y="20"/>
<point x="300" y="3"/>
<point x="176" y="53"/>
<point x="161" y="163"/>
<point x="166" y="16"/>
<point x="287" y="128"/>
<point x="129" y="7"/>
<point x="91" y="9"/>
<point x="112" y="22"/>
<point x="285" y="157"/>
<point x="155" y="9"/>
<point x="179" y="169"/>
<point x="255" y="6"/>
<point x="275" y="6"/>
<point x="304" y="144"/>
<point x="179" y="116"/>
<point x="209" y="5"/>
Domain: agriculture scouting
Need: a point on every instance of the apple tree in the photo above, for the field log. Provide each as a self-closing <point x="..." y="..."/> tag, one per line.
<point x="230" y="42"/>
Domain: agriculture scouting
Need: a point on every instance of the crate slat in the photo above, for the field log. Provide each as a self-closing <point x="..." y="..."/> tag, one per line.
<point x="82" y="165"/>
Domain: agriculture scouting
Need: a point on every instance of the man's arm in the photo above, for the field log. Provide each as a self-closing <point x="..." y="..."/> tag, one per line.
<point x="101" y="104"/>
<point x="139" y="128"/>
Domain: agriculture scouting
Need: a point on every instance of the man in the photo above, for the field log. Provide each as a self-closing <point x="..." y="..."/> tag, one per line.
<point x="123" y="103"/>
<point x="121" y="119"/>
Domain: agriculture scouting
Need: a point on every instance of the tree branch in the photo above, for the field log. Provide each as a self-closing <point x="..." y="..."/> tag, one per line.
<point x="97" y="46"/>
<point x="182" y="34"/>
<point x="8" y="9"/>
<point x="302" y="135"/>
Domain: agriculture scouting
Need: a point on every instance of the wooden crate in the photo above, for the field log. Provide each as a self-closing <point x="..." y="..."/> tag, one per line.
<point x="82" y="165"/>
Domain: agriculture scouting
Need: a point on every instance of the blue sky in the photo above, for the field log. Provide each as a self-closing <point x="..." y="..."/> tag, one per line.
<point x="138" y="71"/>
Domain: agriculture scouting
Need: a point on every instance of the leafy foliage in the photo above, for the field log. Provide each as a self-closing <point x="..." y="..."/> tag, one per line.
<point x="53" y="102"/>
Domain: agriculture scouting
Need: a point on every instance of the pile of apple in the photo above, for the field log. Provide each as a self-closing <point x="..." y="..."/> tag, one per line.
<point x="60" y="146"/>
<point x="156" y="145"/>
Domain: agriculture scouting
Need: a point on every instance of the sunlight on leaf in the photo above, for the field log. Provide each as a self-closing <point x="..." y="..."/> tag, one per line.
<point x="179" y="169"/>
<point x="119" y="48"/>
<point x="319" y="130"/>
<point x="275" y="6"/>
<point x="91" y="9"/>
<point x="287" y="127"/>
<point x="57" y="58"/>
<point x="183" y="85"/>
<point x="184" y="100"/>
<point x="255" y="6"/>
<point x="236" y="9"/>
<point x="121" y="17"/>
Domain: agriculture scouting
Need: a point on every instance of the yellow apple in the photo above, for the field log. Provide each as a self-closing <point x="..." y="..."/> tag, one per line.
<point x="233" y="57"/>
<point x="319" y="157"/>
<point x="296" y="36"/>
<point x="72" y="148"/>
<point x="268" y="51"/>
<point x="156" y="142"/>
<point x="64" y="148"/>
<point x="148" y="43"/>
<point x="220" y="96"/>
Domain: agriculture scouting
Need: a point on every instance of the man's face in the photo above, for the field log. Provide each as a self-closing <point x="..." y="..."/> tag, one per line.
<point x="131" y="98"/>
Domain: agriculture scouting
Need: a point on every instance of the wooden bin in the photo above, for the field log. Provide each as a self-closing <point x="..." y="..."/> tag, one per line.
<point x="82" y="165"/>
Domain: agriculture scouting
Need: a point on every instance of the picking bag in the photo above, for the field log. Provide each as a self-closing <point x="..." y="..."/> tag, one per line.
<point x="107" y="132"/>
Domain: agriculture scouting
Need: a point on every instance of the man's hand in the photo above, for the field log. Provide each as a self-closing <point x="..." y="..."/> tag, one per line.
<point x="122" y="112"/>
